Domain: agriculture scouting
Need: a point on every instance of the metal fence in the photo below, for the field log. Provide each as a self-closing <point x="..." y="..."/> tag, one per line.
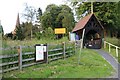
<point x="24" y="57"/>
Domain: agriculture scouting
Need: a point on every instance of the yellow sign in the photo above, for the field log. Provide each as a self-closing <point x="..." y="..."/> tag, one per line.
<point x="60" y="30"/>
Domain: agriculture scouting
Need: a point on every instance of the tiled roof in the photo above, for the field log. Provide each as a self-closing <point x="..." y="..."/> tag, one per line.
<point x="81" y="24"/>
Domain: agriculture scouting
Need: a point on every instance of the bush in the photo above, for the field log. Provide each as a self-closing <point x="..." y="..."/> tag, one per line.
<point x="38" y="35"/>
<point x="49" y="33"/>
<point x="4" y="44"/>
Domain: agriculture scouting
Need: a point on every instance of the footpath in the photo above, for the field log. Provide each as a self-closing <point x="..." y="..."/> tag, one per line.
<point x="112" y="61"/>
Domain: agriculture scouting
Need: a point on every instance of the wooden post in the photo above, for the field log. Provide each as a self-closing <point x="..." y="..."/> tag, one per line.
<point x="104" y="44"/>
<point x="81" y="46"/>
<point x="64" y="50"/>
<point x="47" y="54"/>
<point x="109" y="48"/>
<point x="75" y="47"/>
<point x="20" y="57"/>
<point x="91" y="7"/>
<point x="82" y="38"/>
<point x="116" y="51"/>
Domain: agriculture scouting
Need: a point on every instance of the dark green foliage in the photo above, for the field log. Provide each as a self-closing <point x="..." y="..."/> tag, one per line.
<point x="66" y="18"/>
<point x="50" y="15"/>
<point x="1" y="29"/>
<point x="118" y="19"/>
<point x="38" y="35"/>
<point x="9" y="35"/>
<point x="39" y="14"/>
<point x="49" y="33"/>
<point x="24" y="31"/>
<point x="57" y="17"/>
<point x="19" y="33"/>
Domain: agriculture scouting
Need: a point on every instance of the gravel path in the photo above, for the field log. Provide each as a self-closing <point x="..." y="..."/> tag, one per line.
<point x="112" y="61"/>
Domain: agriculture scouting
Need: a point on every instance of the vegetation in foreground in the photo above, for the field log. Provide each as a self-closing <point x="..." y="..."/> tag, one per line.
<point x="92" y="66"/>
<point x="113" y="40"/>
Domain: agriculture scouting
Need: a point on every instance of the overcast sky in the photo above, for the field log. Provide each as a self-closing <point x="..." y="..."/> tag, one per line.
<point x="10" y="8"/>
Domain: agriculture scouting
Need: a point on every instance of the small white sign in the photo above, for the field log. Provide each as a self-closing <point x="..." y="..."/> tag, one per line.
<point x="39" y="53"/>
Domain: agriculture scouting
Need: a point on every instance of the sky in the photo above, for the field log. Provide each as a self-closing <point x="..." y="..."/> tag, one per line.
<point x="10" y="8"/>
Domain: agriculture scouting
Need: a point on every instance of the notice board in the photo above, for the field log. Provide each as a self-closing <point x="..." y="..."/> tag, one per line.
<point x="40" y="52"/>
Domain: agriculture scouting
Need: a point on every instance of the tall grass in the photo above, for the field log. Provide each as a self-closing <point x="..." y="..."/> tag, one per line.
<point x="113" y="40"/>
<point x="10" y="43"/>
<point x="13" y="44"/>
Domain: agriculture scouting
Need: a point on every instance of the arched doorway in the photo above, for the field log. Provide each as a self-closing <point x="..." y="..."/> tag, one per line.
<point x="93" y="39"/>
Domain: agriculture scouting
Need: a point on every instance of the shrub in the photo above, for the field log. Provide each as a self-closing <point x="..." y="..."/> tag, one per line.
<point x="38" y="35"/>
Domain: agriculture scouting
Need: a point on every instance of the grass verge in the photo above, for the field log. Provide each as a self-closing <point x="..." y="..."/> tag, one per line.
<point x="92" y="66"/>
<point x="9" y="43"/>
<point x="13" y="44"/>
<point x="113" y="53"/>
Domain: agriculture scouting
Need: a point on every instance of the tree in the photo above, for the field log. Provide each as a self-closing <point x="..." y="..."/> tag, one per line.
<point x="1" y="30"/>
<point x="23" y="31"/>
<point x="118" y="19"/>
<point x="19" y="33"/>
<point x="29" y="15"/>
<point x="57" y="17"/>
<point x="50" y="15"/>
<point x="27" y="29"/>
<point x="39" y="14"/>
<point x="66" y="17"/>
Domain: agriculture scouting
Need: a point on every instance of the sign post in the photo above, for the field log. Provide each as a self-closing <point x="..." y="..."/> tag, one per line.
<point x="40" y="52"/>
<point x="81" y="46"/>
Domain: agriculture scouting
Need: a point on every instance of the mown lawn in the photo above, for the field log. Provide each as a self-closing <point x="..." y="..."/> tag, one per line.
<point x="92" y="66"/>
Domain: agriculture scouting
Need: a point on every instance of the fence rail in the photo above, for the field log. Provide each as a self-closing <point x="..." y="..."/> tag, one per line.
<point x="20" y="62"/>
<point x="111" y="45"/>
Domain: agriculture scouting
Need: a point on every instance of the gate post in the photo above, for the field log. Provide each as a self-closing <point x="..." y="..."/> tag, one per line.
<point x="64" y="50"/>
<point x="20" y="57"/>
<point x="75" y="47"/>
<point x="47" y="54"/>
<point x="109" y="48"/>
<point x="117" y="51"/>
<point x="104" y="44"/>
